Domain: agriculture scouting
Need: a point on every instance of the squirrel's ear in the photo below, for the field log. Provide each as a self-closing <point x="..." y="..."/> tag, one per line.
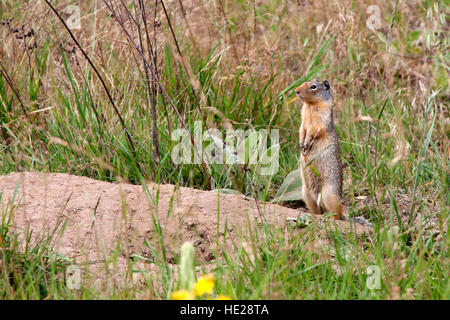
<point x="326" y="84"/>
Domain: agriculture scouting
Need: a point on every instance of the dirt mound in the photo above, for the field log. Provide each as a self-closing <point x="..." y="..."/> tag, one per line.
<point x="100" y="215"/>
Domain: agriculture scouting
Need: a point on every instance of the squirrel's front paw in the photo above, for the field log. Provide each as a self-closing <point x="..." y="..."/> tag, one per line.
<point x="306" y="145"/>
<point x="302" y="146"/>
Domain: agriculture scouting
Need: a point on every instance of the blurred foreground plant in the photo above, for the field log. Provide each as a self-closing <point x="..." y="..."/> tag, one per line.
<point x="188" y="289"/>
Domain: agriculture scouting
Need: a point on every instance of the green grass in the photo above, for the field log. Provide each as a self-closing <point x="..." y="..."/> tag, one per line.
<point x="56" y="117"/>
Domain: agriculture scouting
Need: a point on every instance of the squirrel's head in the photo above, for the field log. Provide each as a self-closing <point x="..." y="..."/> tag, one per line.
<point x="314" y="92"/>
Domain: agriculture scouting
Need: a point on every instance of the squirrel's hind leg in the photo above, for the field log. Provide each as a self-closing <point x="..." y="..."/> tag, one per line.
<point x="332" y="201"/>
<point x="310" y="200"/>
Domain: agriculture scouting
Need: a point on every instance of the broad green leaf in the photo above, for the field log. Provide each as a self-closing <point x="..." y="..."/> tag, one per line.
<point x="291" y="189"/>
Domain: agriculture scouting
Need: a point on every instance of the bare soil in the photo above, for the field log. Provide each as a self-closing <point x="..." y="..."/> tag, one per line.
<point x="94" y="217"/>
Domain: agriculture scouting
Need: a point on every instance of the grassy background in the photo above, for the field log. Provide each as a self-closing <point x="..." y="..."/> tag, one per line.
<point x="234" y="64"/>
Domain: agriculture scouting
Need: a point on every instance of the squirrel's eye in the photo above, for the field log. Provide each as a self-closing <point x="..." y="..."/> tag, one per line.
<point x="313" y="86"/>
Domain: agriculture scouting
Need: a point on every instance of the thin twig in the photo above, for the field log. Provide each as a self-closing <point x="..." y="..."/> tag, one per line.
<point x="204" y="165"/>
<point x="122" y="122"/>
<point x="151" y="89"/>
<point x="4" y="74"/>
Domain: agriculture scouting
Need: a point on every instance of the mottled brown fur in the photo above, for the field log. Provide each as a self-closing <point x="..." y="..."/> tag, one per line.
<point x="320" y="156"/>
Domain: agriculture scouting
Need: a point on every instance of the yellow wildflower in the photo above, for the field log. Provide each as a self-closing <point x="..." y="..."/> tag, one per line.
<point x="182" y="295"/>
<point x="222" y="297"/>
<point x="204" y="285"/>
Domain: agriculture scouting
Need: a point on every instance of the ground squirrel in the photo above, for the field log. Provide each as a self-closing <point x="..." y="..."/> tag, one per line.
<point x="319" y="143"/>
